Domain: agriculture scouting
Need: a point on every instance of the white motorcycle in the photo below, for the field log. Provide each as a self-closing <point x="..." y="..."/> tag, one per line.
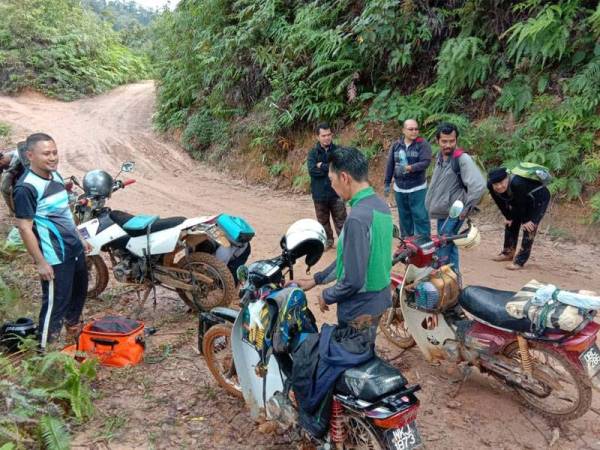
<point x="194" y="257"/>
<point x="372" y="404"/>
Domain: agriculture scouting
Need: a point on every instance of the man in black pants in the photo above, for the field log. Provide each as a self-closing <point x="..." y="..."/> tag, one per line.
<point x="328" y="204"/>
<point x="523" y="203"/>
<point x="51" y="238"/>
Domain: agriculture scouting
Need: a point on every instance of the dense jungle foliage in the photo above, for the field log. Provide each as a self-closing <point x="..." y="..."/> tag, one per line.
<point x="521" y="79"/>
<point x="63" y="49"/>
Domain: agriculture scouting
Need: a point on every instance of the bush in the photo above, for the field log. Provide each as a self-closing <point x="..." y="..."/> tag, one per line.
<point x="62" y="49"/>
<point x="534" y="65"/>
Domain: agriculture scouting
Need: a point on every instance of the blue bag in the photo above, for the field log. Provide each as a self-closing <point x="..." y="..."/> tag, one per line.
<point x="235" y="228"/>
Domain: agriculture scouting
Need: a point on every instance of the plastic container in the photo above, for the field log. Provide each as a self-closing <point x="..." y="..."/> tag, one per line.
<point x="235" y="228"/>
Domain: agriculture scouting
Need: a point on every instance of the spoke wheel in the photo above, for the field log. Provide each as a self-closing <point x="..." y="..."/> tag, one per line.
<point x="216" y="348"/>
<point x="97" y="275"/>
<point x="220" y="292"/>
<point x="561" y="392"/>
<point x="393" y="326"/>
<point x="360" y="434"/>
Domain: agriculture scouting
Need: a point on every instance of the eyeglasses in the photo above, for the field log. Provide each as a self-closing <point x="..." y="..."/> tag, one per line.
<point x="412" y="129"/>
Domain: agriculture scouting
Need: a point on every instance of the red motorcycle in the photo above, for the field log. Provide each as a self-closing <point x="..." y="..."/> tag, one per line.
<point x="551" y="370"/>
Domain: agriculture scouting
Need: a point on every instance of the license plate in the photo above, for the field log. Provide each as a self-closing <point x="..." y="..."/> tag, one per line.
<point x="591" y="360"/>
<point x="405" y="438"/>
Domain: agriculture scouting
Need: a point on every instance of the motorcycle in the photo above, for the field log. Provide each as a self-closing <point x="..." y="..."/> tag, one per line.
<point x="551" y="371"/>
<point x="191" y="256"/>
<point x="372" y="405"/>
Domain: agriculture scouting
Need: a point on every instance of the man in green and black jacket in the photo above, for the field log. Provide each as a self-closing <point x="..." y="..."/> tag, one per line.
<point x="363" y="265"/>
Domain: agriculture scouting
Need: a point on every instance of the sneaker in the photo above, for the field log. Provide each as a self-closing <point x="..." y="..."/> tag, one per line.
<point x="329" y="243"/>
<point x="503" y="257"/>
<point x="514" y="267"/>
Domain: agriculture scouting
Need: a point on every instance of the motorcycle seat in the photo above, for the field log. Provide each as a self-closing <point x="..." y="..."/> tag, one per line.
<point x="489" y="305"/>
<point x="122" y="218"/>
<point x="371" y="380"/>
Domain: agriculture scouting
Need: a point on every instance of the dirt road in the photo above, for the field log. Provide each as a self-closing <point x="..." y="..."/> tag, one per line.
<point x="173" y="403"/>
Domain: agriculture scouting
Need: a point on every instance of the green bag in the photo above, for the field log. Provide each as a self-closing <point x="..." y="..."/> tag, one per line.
<point x="532" y="171"/>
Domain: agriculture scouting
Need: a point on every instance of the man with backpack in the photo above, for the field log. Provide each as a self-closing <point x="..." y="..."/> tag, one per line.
<point x="407" y="163"/>
<point x="455" y="177"/>
<point x="522" y="197"/>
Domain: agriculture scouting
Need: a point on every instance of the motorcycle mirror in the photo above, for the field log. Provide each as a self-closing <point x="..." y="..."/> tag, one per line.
<point x="128" y="166"/>
<point x="242" y="273"/>
<point x="396" y="232"/>
<point x="456" y="209"/>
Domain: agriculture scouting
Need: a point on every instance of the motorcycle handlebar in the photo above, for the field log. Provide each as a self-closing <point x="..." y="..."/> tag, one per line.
<point x="128" y="182"/>
<point x="401" y="257"/>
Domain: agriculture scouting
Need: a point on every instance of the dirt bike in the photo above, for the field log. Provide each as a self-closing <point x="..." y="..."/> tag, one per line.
<point x="377" y="412"/>
<point x="552" y="371"/>
<point x="190" y="256"/>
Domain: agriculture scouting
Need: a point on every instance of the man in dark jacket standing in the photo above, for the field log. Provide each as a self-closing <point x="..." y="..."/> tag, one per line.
<point x="407" y="162"/>
<point x="328" y="205"/>
<point x="523" y="203"/>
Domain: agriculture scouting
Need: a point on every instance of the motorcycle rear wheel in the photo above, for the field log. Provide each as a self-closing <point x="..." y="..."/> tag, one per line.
<point x="97" y="275"/>
<point x="360" y="434"/>
<point x="216" y="348"/>
<point x="393" y="327"/>
<point x="575" y="392"/>
<point x="223" y="291"/>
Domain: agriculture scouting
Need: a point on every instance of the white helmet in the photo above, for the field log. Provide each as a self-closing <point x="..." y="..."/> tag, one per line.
<point x="305" y="237"/>
<point x="471" y="240"/>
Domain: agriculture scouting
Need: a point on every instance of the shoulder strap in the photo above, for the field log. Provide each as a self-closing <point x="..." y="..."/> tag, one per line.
<point x="455" y="164"/>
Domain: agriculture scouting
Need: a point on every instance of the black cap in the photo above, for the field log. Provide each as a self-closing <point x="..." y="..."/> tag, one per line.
<point x="497" y="175"/>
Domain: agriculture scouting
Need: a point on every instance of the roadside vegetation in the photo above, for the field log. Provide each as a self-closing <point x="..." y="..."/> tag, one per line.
<point x="521" y="79"/>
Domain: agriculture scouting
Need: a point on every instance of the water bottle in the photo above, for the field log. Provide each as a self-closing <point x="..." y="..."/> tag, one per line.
<point x="401" y="163"/>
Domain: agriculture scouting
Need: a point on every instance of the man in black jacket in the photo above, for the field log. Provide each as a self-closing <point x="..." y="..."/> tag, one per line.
<point x="523" y="203"/>
<point x="327" y="202"/>
<point x="407" y="162"/>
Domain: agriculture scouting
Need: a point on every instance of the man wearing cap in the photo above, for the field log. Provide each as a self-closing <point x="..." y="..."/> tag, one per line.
<point x="523" y="203"/>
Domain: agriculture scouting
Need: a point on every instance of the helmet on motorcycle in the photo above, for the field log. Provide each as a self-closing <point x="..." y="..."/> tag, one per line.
<point x="471" y="240"/>
<point x="305" y="237"/>
<point x="98" y="183"/>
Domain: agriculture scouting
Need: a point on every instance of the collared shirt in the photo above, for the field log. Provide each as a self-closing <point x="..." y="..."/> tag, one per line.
<point x="46" y="203"/>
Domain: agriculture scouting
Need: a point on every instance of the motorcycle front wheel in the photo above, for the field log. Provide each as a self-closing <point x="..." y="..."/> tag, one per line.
<point x="97" y="275"/>
<point x="216" y="348"/>
<point x="562" y="392"/>
<point x="393" y="326"/>
<point x="221" y="290"/>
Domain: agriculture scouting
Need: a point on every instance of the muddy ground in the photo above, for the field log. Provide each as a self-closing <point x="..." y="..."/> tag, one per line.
<point x="171" y="401"/>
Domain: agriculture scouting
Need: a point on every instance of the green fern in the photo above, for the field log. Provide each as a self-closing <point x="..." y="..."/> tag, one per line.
<point x="595" y="204"/>
<point x="54" y="433"/>
<point x="543" y="37"/>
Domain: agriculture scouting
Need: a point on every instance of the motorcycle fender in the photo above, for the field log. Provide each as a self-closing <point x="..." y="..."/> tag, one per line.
<point x="246" y="358"/>
<point x="161" y="242"/>
<point x="189" y="223"/>
<point x="574" y="346"/>
<point x="88" y="232"/>
<point x="429" y="330"/>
